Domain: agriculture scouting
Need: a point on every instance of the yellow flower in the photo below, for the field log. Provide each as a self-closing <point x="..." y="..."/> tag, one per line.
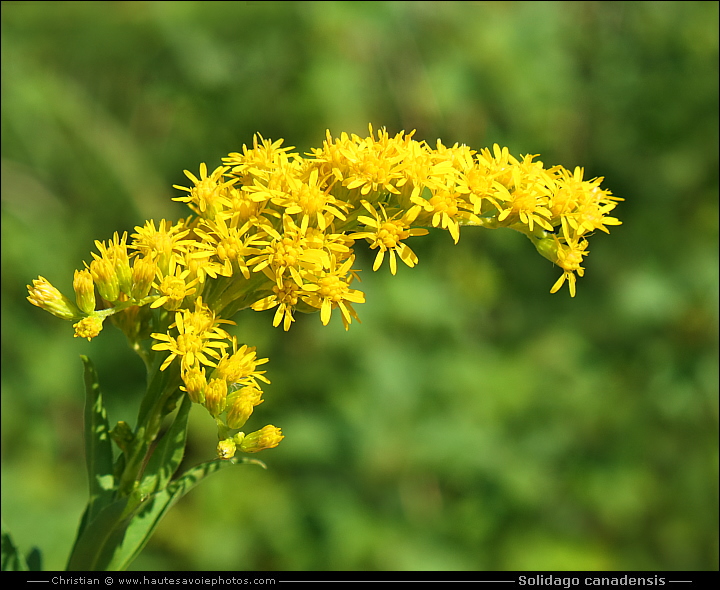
<point x="161" y="244"/>
<point x="339" y="244"/>
<point x="581" y="204"/>
<point x="569" y="257"/>
<point x="370" y="165"/>
<point x="173" y="287"/>
<point x="198" y="338"/>
<point x="477" y="184"/>
<point x="388" y="233"/>
<point x="229" y="245"/>
<point x="115" y="252"/>
<point x="88" y="327"/>
<point x="197" y="261"/>
<point x="209" y="195"/>
<point x="447" y="208"/>
<point x="265" y="155"/>
<point x="289" y="252"/>
<point x="310" y="199"/>
<point x="285" y="298"/>
<point x="459" y="156"/>
<point x="249" y="205"/>
<point x="240" y="366"/>
<point x="331" y="289"/>
<point x="526" y="204"/>
<point x="498" y="164"/>
<point x="423" y="170"/>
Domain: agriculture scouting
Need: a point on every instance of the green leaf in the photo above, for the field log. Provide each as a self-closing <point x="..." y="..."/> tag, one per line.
<point x="100" y="473"/>
<point x="12" y="560"/>
<point x="135" y="535"/>
<point x="169" y="452"/>
<point x="34" y="560"/>
<point x="98" y="446"/>
<point x="91" y="543"/>
<point x="112" y="533"/>
<point x="127" y="541"/>
<point x="158" y="402"/>
<point x="157" y="385"/>
<point x="113" y="540"/>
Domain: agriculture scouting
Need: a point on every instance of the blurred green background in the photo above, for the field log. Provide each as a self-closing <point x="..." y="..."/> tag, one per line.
<point x="473" y="421"/>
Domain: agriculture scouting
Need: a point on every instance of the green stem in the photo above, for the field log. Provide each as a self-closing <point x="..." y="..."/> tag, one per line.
<point x="118" y="307"/>
<point x="153" y="410"/>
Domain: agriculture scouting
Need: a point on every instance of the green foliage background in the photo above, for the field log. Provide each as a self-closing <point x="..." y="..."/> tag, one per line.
<point x="473" y="420"/>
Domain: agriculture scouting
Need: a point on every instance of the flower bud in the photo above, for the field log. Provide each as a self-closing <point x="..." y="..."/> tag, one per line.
<point x="105" y="278"/>
<point x="84" y="290"/>
<point x="123" y="435"/>
<point x="548" y="248"/>
<point x="45" y="296"/>
<point x="216" y="396"/>
<point x="195" y="384"/>
<point x="267" y="437"/>
<point x="143" y="273"/>
<point x="240" y="405"/>
<point x="226" y="449"/>
<point x="122" y="268"/>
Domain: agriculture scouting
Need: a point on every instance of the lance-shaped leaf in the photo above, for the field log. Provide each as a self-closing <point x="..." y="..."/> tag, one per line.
<point x="91" y="544"/>
<point x="129" y="540"/>
<point x="156" y="404"/>
<point x="98" y="447"/>
<point x="96" y="521"/>
<point x="168" y="453"/>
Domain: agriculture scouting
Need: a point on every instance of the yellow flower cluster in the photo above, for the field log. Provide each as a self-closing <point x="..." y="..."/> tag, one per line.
<point x="271" y="229"/>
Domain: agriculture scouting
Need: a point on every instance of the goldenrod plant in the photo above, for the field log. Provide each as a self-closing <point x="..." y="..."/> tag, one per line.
<point x="271" y="229"/>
